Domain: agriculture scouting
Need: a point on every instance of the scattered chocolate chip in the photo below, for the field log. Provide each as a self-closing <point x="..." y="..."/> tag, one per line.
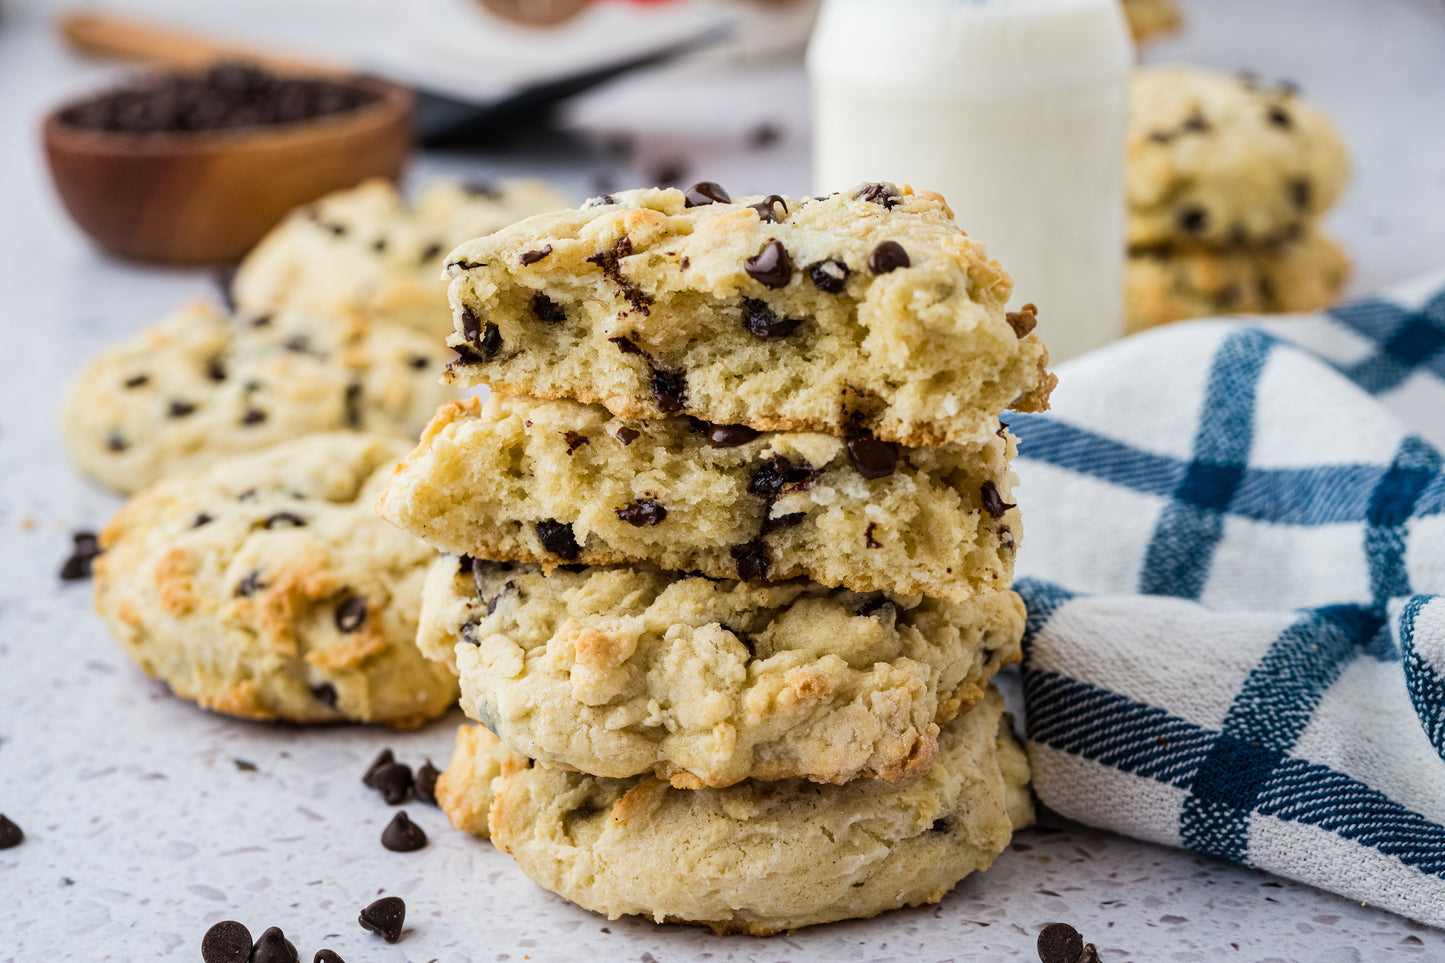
<point x="545" y="309"/>
<point x="767" y="208"/>
<point x="872" y="458"/>
<point x="244" y="765"/>
<point x="401" y="835"/>
<point x="532" y="257"/>
<point x="642" y="512"/>
<point x="1161" y="137"/>
<point x="1280" y="117"/>
<point x="85" y="547"/>
<point x="753" y="561"/>
<point x="885" y="194"/>
<point x="575" y="440"/>
<point x="135" y="381"/>
<point x="393" y="780"/>
<point x="763" y="324"/>
<point x="350" y="614"/>
<point x="430" y="252"/>
<point x="253" y="416"/>
<point x="419" y="361"/>
<point x="300" y="344"/>
<point x="685" y="263"/>
<point x="284" y="520"/>
<point x="764" y="134"/>
<point x="327" y="956"/>
<point x="351" y="404"/>
<point x="226" y="942"/>
<point x="384" y="917"/>
<point x="338" y="229"/>
<point x="778" y="475"/>
<point x="669" y="387"/>
<point x="888" y="256"/>
<point x="558" y="539"/>
<point x="627" y="346"/>
<point x="250" y="585"/>
<point x="179" y="409"/>
<point x="274" y="947"/>
<point x="425" y="786"/>
<point x="1005" y="538"/>
<point x="1024" y="320"/>
<point x="940" y="827"/>
<point x="486" y="340"/>
<point x="628" y="435"/>
<point x="201" y="519"/>
<point x="115" y="441"/>
<point x="828" y="276"/>
<point x="261" y="321"/>
<point x="1195" y="123"/>
<point x="1299" y="193"/>
<point x="508" y="586"/>
<point x="465" y="564"/>
<point x="384" y="759"/>
<point x="771" y="267"/>
<point x="325" y="693"/>
<point x="11" y="835"/>
<point x="379" y="245"/>
<point x="729" y="436"/>
<point x="669" y="172"/>
<point x="611" y="264"/>
<point x="1193" y="219"/>
<point x="993" y="502"/>
<point x="706" y="192"/>
<point x="868" y="538"/>
<point x="776" y="523"/>
<point x="216" y="369"/>
<point x="1060" y="943"/>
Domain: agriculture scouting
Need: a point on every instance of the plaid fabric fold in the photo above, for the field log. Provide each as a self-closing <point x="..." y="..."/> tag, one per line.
<point x="1235" y="574"/>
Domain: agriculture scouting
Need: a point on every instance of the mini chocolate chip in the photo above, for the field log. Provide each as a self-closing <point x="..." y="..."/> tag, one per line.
<point x="201" y="519"/>
<point x="85" y="547"/>
<point x="753" y="560"/>
<point x="244" y="765"/>
<point x="642" y="512"/>
<point x="425" y="786"/>
<point x="179" y="409"/>
<point x="115" y="441"/>
<point x="486" y="339"/>
<point x="575" y="440"/>
<point x="669" y="387"/>
<point x="993" y="502"/>
<point x="828" y="276"/>
<point x="393" y="781"/>
<point x="274" y="947"/>
<point x="558" y="539"/>
<point x="401" y="835"/>
<point x="545" y="309"/>
<point x="253" y="416"/>
<point x="379" y="245"/>
<point x="284" y="520"/>
<point x="1299" y="192"/>
<point x="508" y="586"/>
<point x="1193" y="219"/>
<point x="611" y="264"/>
<point x="778" y="474"/>
<point x="465" y="564"/>
<point x="384" y="759"/>
<point x="706" y="192"/>
<point x="325" y="693"/>
<point x="627" y="346"/>
<point x="771" y="267"/>
<point x="888" y="256"/>
<point x="216" y="369"/>
<point x="338" y="229"/>
<point x="419" y="361"/>
<point x="11" y="835"/>
<point x="776" y="523"/>
<point x="1060" y="943"/>
<point x="628" y="435"/>
<point x="872" y="458"/>
<point x="1024" y="320"/>
<point x="1195" y="122"/>
<point x="685" y="263"/>
<point x="885" y="194"/>
<point x="261" y="321"/>
<point x="1161" y="137"/>
<point x="135" y="381"/>
<point x="868" y="538"/>
<point x="763" y="324"/>
<point x="1005" y="538"/>
<point x="940" y="827"/>
<point x="767" y="208"/>
<point x="532" y="257"/>
<point x="384" y="917"/>
<point x="350" y="614"/>
<point x="327" y="956"/>
<point x="729" y="436"/>
<point x="1280" y="117"/>
<point x="250" y="585"/>
<point x="226" y="942"/>
<point x="430" y="251"/>
<point x="351" y="404"/>
<point x="300" y="344"/>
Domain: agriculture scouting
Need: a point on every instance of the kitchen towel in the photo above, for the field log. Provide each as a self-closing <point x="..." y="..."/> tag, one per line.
<point x="1234" y="567"/>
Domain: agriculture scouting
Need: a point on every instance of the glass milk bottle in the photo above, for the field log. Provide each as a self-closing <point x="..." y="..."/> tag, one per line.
<point x="1014" y="111"/>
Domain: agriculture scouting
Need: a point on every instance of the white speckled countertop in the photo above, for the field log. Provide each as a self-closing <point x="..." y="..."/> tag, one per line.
<point x="142" y="829"/>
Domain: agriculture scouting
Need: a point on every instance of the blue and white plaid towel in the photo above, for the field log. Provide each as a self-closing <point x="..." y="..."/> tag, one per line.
<point x="1235" y="574"/>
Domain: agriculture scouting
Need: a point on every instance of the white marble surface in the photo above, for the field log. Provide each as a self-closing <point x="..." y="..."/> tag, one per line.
<point x="141" y="829"/>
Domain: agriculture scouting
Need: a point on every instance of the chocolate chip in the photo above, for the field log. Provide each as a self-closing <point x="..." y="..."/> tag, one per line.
<point x="115" y="441"/>
<point x="250" y="585"/>
<point x="1060" y="943"/>
<point x="776" y="523"/>
<point x="1005" y="538"/>
<point x="384" y="917"/>
<point x="885" y="194"/>
<point x="201" y="519"/>
<point x="868" y="538"/>
<point x="350" y="614"/>
<point x="216" y="369"/>
<point x="384" y="759"/>
<point x="940" y="827"/>
<point x="243" y="765"/>
<point x="706" y="192"/>
<point x="85" y="547"/>
<point x="753" y="561"/>
<point x="628" y="435"/>
<point x="1023" y="320"/>
<point x="419" y="361"/>
<point x="226" y="942"/>
<point x="486" y="340"/>
<point x="274" y="947"/>
<point x="729" y="436"/>
<point x="135" y="381"/>
<point x="669" y="387"/>
<point x="887" y="256"/>
<point x="284" y="520"/>
<point x="993" y="502"/>
<point x="828" y="276"/>
<point x="1195" y="123"/>
<point x="627" y="346"/>
<point x="508" y="586"/>
<point x="425" y="786"/>
<point x="253" y="416"/>
<point x="767" y="208"/>
<point x="575" y="440"/>
<point x="777" y="475"/>
<point x="545" y="309"/>
<point x="393" y="780"/>
<point x="179" y="409"/>
<point x="1193" y="219"/>
<point x="771" y="267"/>
<point x="327" y="956"/>
<point x="261" y="321"/>
<point x="379" y="245"/>
<point x="11" y="835"/>
<point x="763" y="324"/>
<point x="430" y="252"/>
<point x="532" y="257"/>
<point x="763" y="134"/>
<point x="1299" y="193"/>
<point x="611" y="264"/>
<point x="351" y="404"/>
<point x="401" y="835"/>
<point x="299" y="344"/>
<point x="669" y="172"/>
<point x="465" y="564"/>
<point x="872" y="458"/>
<point x="325" y="693"/>
<point x="642" y="512"/>
<point x="1280" y="117"/>
<point x="558" y="539"/>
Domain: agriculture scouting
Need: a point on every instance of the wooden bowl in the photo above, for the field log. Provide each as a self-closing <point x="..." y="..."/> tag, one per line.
<point x="208" y="197"/>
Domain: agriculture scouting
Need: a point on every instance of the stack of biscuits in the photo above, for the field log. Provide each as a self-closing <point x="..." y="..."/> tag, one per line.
<point x="728" y="552"/>
<point x="1227" y="179"/>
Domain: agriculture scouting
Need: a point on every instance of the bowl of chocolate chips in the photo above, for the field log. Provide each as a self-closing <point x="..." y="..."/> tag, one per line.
<point x="194" y="167"/>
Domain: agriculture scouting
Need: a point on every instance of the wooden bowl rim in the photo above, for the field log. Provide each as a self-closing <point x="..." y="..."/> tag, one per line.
<point x="394" y="104"/>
